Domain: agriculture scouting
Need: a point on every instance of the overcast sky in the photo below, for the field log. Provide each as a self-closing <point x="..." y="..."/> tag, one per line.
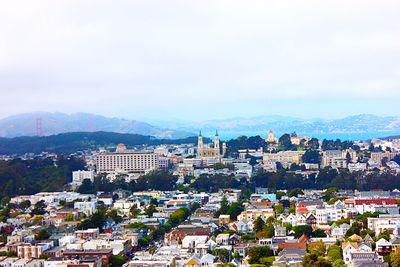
<point x="200" y="59"/>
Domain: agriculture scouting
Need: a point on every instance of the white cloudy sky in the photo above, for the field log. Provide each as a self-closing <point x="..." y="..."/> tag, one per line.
<point x="200" y="59"/>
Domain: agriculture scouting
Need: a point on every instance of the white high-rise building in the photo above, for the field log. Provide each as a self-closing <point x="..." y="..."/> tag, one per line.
<point x="79" y="176"/>
<point x="124" y="160"/>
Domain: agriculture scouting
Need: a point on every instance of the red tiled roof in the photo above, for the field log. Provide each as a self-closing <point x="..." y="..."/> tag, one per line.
<point x="383" y="201"/>
<point x="304" y="239"/>
<point x="284" y="245"/>
<point x="301" y="209"/>
<point x="260" y="204"/>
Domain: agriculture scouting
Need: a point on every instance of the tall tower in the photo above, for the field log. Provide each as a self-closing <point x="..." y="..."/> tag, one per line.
<point x="216" y="144"/>
<point x="200" y="145"/>
<point x="39" y="127"/>
<point x="223" y="149"/>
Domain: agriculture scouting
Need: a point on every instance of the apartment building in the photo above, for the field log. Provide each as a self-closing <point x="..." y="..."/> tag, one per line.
<point x="124" y="160"/>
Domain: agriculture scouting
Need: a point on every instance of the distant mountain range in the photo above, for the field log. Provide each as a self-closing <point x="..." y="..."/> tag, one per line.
<point x="361" y="126"/>
<point x="358" y="124"/>
<point x="56" y="123"/>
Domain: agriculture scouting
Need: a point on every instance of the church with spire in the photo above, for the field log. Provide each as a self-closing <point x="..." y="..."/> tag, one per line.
<point x="210" y="150"/>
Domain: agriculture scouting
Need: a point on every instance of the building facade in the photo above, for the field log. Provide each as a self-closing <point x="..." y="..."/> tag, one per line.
<point x="210" y="151"/>
<point x="124" y="160"/>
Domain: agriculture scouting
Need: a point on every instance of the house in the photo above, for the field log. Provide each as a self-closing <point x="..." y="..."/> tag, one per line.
<point x="331" y="213"/>
<point x="383" y="247"/>
<point x="311" y="219"/>
<point x="298" y="219"/>
<point x="191" y="241"/>
<point x="176" y="236"/>
<point x="90" y="233"/>
<point x="207" y="260"/>
<point x="234" y="239"/>
<point x="29" y="251"/>
<point x="290" y="257"/>
<point x="252" y="214"/>
<point x="280" y="231"/>
<point x="361" y="259"/>
<point x="243" y="248"/>
<point x="340" y="232"/>
<point x="87" y="207"/>
<point x="383" y="205"/>
<point x="384" y="222"/>
<point x="105" y="254"/>
<point x="348" y="248"/>
<point x="395" y="242"/>
<point x="224" y="219"/>
<point x="243" y="226"/>
<point x="193" y="261"/>
<point x="222" y="239"/>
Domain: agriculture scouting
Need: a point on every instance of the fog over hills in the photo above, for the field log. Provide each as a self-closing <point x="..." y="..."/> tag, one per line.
<point x="363" y="123"/>
<point x="55" y="123"/>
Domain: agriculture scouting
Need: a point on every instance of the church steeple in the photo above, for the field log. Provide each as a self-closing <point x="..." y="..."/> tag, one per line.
<point x="216" y="143"/>
<point x="200" y="145"/>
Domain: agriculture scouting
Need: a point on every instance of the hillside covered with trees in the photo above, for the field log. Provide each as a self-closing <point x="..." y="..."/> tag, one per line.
<point x="68" y="143"/>
<point x="22" y="177"/>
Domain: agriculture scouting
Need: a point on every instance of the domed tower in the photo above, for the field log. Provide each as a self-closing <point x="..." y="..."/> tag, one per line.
<point x="200" y="146"/>
<point x="121" y="148"/>
<point x="271" y="137"/>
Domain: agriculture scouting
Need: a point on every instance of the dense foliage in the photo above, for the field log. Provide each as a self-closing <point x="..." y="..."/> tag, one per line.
<point x="21" y="177"/>
<point x="328" y="178"/>
<point x="157" y="180"/>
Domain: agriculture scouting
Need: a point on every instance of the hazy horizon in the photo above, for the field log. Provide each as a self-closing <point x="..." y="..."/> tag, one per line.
<point x="179" y="120"/>
<point x="193" y="61"/>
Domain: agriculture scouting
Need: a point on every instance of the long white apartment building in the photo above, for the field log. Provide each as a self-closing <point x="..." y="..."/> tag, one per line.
<point x="124" y="160"/>
<point x="284" y="157"/>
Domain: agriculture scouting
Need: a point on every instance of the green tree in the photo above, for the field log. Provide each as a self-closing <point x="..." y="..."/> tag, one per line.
<point x="299" y="230"/>
<point x="334" y="253"/>
<point x="339" y="263"/>
<point x="267" y="231"/>
<point x="385" y="235"/>
<point x="117" y="261"/>
<point x="69" y="217"/>
<point x="258" y="225"/>
<point x="311" y="156"/>
<point x="279" y="208"/>
<point x="318" y="233"/>
<point x="86" y="187"/>
<point x="134" y="212"/>
<point x="150" y="210"/>
<point x="113" y="214"/>
<point x="295" y="192"/>
<point x="395" y="258"/>
<point x="234" y="210"/>
<point x="178" y="216"/>
<point x="313" y="260"/>
<point x="256" y="253"/>
<point x="318" y="248"/>
<point x="355" y="228"/>
<point x="42" y="235"/>
<point x="24" y="204"/>
<point x="285" y="143"/>
<point x="223" y="254"/>
<point x="39" y="208"/>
